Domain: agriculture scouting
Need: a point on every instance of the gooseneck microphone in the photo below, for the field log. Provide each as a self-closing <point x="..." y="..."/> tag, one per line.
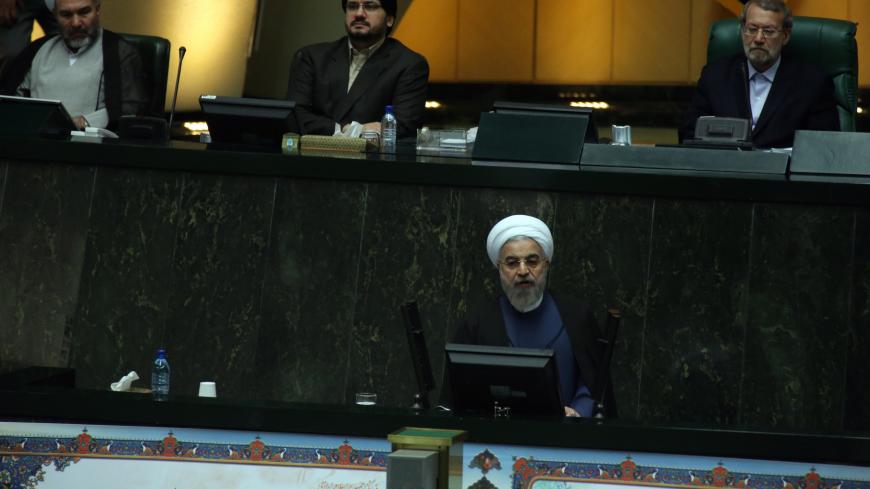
<point x="181" y="51"/>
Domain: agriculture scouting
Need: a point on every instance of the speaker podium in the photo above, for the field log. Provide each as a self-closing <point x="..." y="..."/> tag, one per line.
<point x="414" y="450"/>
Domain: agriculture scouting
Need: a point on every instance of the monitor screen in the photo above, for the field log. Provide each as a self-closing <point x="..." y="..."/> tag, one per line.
<point x="533" y="134"/>
<point x="23" y="116"/>
<point x="247" y="121"/>
<point x="522" y="379"/>
<point x="591" y="132"/>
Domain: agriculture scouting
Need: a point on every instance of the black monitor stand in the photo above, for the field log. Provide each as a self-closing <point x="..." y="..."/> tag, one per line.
<point x="614" y="317"/>
<point x="419" y="355"/>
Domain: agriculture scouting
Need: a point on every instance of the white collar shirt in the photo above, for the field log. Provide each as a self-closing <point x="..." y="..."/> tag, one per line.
<point x="759" y="88"/>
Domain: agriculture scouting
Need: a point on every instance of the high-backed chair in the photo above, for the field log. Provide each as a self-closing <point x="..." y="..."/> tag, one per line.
<point x="154" y="52"/>
<point x="828" y="43"/>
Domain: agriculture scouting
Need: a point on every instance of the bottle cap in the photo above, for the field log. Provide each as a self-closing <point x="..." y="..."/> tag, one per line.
<point x="161" y="352"/>
<point x="389" y="109"/>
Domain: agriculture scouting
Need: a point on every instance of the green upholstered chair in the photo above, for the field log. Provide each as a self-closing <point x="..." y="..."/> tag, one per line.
<point x="154" y="52"/>
<point x="828" y="43"/>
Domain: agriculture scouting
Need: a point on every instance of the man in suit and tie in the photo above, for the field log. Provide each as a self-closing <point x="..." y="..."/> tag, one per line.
<point x="778" y="94"/>
<point x="345" y="85"/>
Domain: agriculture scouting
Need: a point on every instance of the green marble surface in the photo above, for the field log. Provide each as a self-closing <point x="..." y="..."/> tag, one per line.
<point x="857" y="411"/>
<point x="406" y="253"/>
<point x="214" y="313"/>
<point x="276" y="287"/>
<point x="695" y="323"/>
<point x="308" y="291"/>
<point x="4" y="168"/>
<point x="126" y="278"/>
<point x="43" y="233"/>
<point x="798" y="321"/>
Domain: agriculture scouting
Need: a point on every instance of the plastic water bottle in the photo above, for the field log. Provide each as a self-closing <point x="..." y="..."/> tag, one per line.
<point x="389" y="126"/>
<point x="160" y="376"/>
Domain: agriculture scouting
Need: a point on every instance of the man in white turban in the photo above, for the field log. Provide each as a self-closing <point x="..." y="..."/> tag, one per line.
<point x="521" y="247"/>
<point x="528" y="316"/>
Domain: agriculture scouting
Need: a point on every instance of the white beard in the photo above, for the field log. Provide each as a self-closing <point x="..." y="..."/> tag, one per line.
<point x="522" y="299"/>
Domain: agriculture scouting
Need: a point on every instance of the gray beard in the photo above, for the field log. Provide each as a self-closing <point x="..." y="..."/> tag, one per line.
<point x="522" y="299"/>
<point x="77" y="44"/>
<point x="80" y="44"/>
<point x="759" y="58"/>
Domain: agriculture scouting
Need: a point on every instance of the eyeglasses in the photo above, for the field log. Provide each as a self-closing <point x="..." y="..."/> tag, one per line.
<point x="512" y="263"/>
<point x="766" y="32"/>
<point x="367" y="6"/>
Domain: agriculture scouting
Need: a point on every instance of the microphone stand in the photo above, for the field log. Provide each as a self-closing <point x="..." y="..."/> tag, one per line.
<point x="614" y="317"/>
<point x="419" y="355"/>
<point x="181" y="52"/>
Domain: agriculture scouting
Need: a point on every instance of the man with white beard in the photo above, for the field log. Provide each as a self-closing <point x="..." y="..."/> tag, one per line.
<point x="97" y="75"/>
<point x="529" y="316"/>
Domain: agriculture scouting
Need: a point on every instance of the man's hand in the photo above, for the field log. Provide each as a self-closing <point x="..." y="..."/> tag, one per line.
<point x="369" y="126"/>
<point x="571" y="413"/>
<point x="80" y="122"/>
<point x="8" y="11"/>
<point x="372" y="126"/>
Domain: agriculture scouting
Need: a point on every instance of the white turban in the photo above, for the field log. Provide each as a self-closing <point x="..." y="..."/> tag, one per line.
<point x="514" y="227"/>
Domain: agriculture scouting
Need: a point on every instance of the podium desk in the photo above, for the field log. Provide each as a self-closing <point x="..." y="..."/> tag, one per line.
<point x="61" y="435"/>
<point x="281" y="277"/>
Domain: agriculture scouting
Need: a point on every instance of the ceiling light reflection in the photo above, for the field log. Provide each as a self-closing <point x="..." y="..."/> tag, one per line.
<point x="590" y="104"/>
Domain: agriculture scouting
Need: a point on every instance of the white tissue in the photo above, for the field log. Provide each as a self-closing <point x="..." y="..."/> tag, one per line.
<point x="123" y="385"/>
<point x="471" y="135"/>
<point x="354" y="130"/>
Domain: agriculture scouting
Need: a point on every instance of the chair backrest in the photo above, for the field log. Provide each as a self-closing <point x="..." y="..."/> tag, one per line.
<point x="827" y="43"/>
<point x="154" y="52"/>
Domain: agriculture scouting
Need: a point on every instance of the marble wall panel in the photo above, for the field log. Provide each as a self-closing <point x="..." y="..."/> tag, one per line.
<point x="122" y="303"/>
<point x="693" y="341"/>
<point x="857" y="409"/>
<point x="6" y="364"/>
<point x="734" y="313"/>
<point x="43" y="230"/>
<point x="310" y="286"/>
<point x="214" y="314"/>
<point x="798" y="320"/>
<point x="4" y="168"/>
<point x="602" y="256"/>
<point x="408" y="252"/>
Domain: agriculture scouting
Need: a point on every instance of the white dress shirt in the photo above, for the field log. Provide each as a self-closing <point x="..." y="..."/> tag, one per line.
<point x="759" y="88"/>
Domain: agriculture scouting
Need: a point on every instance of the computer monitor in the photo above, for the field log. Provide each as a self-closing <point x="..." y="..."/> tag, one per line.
<point x="247" y="121"/>
<point x="590" y="134"/>
<point x="23" y="116"/>
<point x="533" y="134"/>
<point x="522" y="379"/>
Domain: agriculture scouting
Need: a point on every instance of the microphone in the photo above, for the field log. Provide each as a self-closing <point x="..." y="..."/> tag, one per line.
<point x="181" y="51"/>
